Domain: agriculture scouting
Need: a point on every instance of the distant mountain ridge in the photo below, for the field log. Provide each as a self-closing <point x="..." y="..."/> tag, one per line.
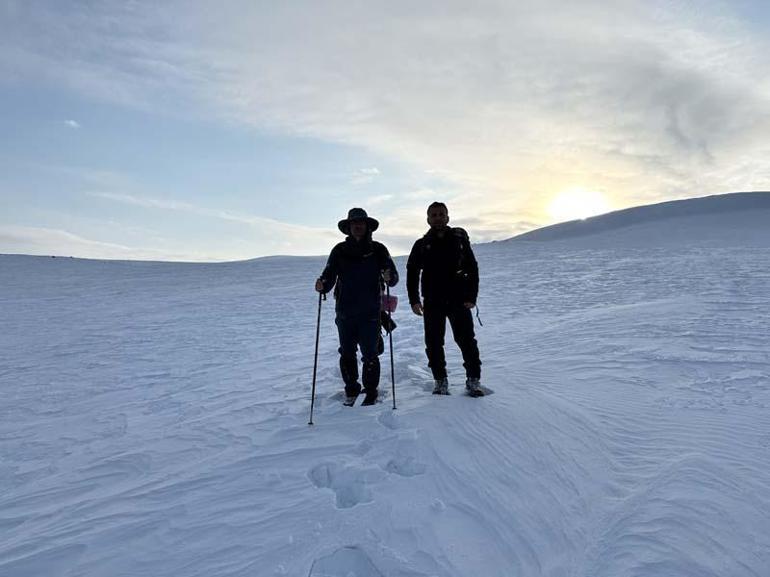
<point x="734" y="211"/>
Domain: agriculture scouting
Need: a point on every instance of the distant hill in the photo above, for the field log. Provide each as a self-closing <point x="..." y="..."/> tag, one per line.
<point x="737" y="218"/>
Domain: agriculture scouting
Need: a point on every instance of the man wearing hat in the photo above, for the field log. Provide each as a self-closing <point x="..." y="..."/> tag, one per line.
<point x="356" y="269"/>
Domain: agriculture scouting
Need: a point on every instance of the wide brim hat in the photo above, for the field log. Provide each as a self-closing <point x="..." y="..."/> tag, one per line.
<point x="357" y="214"/>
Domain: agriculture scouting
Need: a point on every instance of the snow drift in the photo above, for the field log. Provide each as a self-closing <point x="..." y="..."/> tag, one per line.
<point x="738" y="219"/>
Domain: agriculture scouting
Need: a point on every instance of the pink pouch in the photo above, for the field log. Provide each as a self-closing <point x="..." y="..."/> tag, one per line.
<point x="389" y="303"/>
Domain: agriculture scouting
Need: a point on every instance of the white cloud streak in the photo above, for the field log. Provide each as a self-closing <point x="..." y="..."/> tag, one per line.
<point x="365" y="176"/>
<point x="268" y="236"/>
<point x="55" y="242"/>
<point x="262" y="223"/>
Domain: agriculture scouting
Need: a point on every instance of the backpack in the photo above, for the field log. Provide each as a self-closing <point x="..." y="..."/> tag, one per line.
<point x="463" y="241"/>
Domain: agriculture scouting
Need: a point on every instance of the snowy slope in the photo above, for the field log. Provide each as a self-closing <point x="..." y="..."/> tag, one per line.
<point x="153" y="421"/>
<point x="738" y="219"/>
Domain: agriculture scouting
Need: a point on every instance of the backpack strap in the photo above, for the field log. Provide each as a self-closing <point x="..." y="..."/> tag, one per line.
<point x="463" y="242"/>
<point x="380" y="253"/>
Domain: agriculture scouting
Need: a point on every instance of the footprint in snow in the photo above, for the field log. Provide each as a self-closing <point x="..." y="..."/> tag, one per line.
<point x="405" y="466"/>
<point x="388" y="420"/>
<point x="343" y="562"/>
<point x="350" y="485"/>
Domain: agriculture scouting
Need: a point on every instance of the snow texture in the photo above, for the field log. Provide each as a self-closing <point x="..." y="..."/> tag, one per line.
<point x="153" y="419"/>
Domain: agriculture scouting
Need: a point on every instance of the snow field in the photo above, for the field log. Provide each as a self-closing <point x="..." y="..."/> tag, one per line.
<point x="154" y="421"/>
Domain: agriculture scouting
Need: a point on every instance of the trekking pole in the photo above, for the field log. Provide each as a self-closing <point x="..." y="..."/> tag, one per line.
<point x="390" y="338"/>
<point x="315" y="358"/>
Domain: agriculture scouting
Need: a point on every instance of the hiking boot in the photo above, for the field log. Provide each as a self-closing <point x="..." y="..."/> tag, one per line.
<point x="441" y="387"/>
<point x="352" y="390"/>
<point x="473" y="386"/>
<point x="369" y="399"/>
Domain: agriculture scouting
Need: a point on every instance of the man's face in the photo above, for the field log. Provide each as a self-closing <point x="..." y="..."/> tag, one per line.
<point x="358" y="229"/>
<point x="438" y="217"/>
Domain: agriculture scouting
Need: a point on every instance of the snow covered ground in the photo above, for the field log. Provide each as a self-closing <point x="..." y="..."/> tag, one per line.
<point x="153" y="421"/>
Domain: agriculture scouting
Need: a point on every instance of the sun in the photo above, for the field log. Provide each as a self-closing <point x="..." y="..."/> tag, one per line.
<point x="577" y="203"/>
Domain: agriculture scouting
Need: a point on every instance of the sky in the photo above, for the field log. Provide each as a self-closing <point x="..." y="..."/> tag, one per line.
<point x="203" y="131"/>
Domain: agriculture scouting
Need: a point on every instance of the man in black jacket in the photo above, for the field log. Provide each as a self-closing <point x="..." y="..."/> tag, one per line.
<point x="450" y="285"/>
<point x="358" y="267"/>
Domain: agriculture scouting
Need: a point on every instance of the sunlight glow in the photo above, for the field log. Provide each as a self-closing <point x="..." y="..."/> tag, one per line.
<point x="577" y="203"/>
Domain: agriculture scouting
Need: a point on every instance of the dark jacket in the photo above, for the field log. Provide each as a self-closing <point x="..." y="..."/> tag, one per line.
<point x="355" y="267"/>
<point x="450" y="273"/>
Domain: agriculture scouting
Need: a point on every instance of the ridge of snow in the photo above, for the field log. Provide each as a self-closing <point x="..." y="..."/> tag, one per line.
<point x="736" y="218"/>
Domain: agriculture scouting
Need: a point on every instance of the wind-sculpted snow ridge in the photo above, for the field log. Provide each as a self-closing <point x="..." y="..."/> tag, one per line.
<point x="153" y="421"/>
<point x="737" y="219"/>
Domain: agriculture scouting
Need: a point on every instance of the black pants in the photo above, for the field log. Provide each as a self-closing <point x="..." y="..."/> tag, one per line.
<point x="460" y="318"/>
<point x="364" y="333"/>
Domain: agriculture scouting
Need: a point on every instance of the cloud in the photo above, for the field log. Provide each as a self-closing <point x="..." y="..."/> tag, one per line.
<point x="72" y="123"/>
<point x="267" y="236"/>
<point x="508" y="102"/>
<point x="365" y="176"/>
<point x="378" y="200"/>
<point x="483" y="93"/>
<point x="250" y="220"/>
<point x="56" y="242"/>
